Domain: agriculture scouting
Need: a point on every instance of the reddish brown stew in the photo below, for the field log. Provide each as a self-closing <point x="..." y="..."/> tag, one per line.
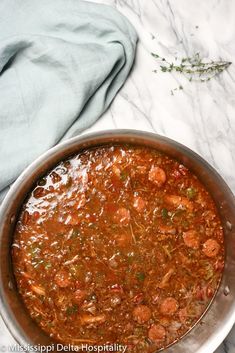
<point x="118" y="244"/>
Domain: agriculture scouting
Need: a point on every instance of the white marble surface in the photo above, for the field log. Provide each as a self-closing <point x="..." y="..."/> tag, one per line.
<point x="202" y="115"/>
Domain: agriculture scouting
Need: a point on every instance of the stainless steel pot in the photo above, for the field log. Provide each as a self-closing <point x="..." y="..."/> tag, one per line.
<point x="218" y="320"/>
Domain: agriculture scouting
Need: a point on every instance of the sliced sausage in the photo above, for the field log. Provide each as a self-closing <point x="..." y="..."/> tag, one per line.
<point x="211" y="248"/>
<point x="142" y="314"/>
<point x="157" y="176"/>
<point x="179" y="202"/>
<point x="191" y="239"/>
<point x="157" y="333"/>
<point x="169" y="306"/>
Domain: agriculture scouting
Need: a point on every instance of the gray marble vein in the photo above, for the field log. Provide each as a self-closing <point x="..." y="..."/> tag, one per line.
<point x="201" y="115"/>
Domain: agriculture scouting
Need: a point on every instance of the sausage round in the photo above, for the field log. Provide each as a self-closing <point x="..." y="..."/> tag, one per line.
<point x="211" y="248"/>
<point x="169" y="306"/>
<point x="142" y="314"/>
<point x="156" y="333"/>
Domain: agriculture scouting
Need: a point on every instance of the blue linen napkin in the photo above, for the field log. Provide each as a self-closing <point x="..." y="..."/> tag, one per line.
<point x="61" y="64"/>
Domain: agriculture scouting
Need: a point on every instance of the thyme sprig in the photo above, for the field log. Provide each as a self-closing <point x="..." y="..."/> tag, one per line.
<point x="194" y="68"/>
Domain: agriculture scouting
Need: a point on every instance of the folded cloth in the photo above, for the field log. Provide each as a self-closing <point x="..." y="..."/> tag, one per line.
<point x="61" y="64"/>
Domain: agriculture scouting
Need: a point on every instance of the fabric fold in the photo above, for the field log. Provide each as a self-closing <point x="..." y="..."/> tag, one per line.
<point x="61" y="64"/>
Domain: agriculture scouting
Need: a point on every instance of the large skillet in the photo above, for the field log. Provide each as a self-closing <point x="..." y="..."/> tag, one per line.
<point x="213" y="327"/>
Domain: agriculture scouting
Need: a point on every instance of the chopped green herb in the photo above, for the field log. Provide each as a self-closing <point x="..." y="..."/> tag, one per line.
<point x="124" y="175"/>
<point x="177" y="214"/>
<point x="155" y="55"/>
<point x="42" y="182"/>
<point x="34" y="249"/>
<point x="185" y="223"/>
<point x="138" y="331"/>
<point x="38" y="318"/>
<point x="131" y="257"/>
<point x="92" y="225"/>
<point x="208" y="270"/>
<point x="71" y="310"/>
<point x="50" y="324"/>
<point x="164" y="68"/>
<point x="47" y="265"/>
<point x="93" y="297"/>
<point x="164" y="213"/>
<point x="130" y="260"/>
<point x="75" y="233"/>
<point x="140" y="276"/>
<point x="191" y="193"/>
<point x="74" y="269"/>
